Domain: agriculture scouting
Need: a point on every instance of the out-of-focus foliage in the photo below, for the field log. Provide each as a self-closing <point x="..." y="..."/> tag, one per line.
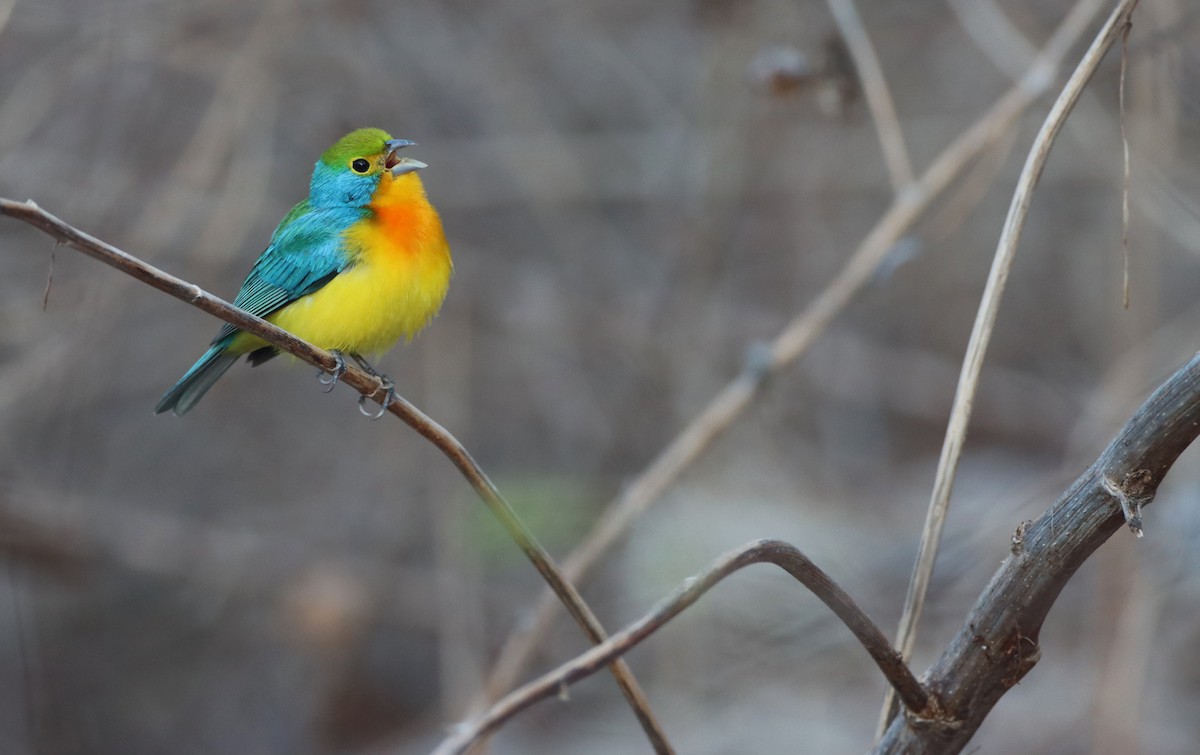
<point x="635" y="193"/>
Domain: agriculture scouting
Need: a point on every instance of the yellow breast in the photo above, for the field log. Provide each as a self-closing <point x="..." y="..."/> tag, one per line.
<point x="394" y="287"/>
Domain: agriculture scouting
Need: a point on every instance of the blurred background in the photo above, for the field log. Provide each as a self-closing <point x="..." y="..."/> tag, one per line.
<point x="636" y="194"/>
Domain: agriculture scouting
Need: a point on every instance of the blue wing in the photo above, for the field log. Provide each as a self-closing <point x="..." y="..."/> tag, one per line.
<point x="305" y="253"/>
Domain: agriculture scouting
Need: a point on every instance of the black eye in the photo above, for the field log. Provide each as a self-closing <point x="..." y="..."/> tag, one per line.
<point x="360" y="165"/>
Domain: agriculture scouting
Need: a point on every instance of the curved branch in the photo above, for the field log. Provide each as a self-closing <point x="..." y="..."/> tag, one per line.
<point x="789" y="345"/>
<point x="787" y="557"/>
<point x="997" y="644"/>
<point x="368" y="386"/>
<point x="985" y="320"/>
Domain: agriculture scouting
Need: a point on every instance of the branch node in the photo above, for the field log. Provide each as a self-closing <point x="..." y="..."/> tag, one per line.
<point x="1018" y="537"/>
<point x="1133" y="492"/>
<point x="932" y="717"/>
<point x="758" y="361"/>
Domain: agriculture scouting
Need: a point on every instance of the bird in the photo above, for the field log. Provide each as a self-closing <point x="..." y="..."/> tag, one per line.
<point x="360" y="263"/>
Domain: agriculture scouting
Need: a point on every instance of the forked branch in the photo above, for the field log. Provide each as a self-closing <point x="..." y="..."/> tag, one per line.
<point x="985" y="320"/>
<point x="915" y="697"/>
<point x="998" y="643"/>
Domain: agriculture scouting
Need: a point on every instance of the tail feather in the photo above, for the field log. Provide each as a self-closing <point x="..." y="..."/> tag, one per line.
<point x="196" y="381"/>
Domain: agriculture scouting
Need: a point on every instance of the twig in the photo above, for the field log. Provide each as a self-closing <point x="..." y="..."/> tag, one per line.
<point x="1125" y="182"/>
<point x="998" y="642"/>
<point x="368" y="386"/>
<point x="1130" y="495"/>
<point x="875" y="89"/>
<point x="971" y="191"/>
<point x="789" y="345"/>
<point x="985" y="320"/>
<point x="916" y="698"/>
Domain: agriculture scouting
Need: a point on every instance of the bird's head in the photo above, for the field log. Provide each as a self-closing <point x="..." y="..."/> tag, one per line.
<point x="350" y="172"/>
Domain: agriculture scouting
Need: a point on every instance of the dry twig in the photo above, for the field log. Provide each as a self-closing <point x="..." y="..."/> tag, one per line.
<point x="985" y="320"/>
<point x="368" y="386"/>
<point x="1125" y="152"/>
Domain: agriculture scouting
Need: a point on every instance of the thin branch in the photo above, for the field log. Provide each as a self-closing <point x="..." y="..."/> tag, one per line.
<point x="875" y="89"/>
<point x="971" y="191"/>
<point x="985" y="320"/>
<point x="997" y="644"/>
<point x="368" y="386"/>
<point x="1125" y="182"/>
<point x="916" y="698"/>
<point x="790" y="344"/>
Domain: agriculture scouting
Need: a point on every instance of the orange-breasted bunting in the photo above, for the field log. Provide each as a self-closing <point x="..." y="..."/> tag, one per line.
<point x="359" y="264"/>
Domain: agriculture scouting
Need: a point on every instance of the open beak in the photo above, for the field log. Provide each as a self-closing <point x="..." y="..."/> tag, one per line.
<point x="400" y="165"/>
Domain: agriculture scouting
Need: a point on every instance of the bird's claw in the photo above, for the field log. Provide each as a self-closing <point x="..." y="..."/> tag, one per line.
<point x="389" y="395"/>
<point x="339" y="369"/>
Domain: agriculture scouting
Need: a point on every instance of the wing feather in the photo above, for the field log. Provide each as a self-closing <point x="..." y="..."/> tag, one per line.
<point x="305" y="253"/>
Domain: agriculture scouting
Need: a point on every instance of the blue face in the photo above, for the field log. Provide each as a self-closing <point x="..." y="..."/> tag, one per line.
<point x="341" y="187"/>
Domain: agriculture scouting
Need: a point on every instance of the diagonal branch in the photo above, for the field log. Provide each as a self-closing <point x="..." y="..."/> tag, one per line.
<point x="997" y="644"/>
<point x="787" y="557"/>
<point x="985" y="320"/>
<point x="371" y="387"/>
<point x="791" y="343"/>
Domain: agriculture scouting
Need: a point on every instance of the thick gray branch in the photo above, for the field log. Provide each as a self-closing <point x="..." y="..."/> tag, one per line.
<point x="998" y="643"/>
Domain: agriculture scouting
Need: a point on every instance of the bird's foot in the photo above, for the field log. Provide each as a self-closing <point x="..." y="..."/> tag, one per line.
<point x="366" y="366"/>
<point x="339" y="369"/>
<point x="389" y="395"/>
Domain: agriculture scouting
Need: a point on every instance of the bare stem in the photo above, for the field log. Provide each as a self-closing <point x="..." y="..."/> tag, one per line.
<point x="985" y="321"/>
